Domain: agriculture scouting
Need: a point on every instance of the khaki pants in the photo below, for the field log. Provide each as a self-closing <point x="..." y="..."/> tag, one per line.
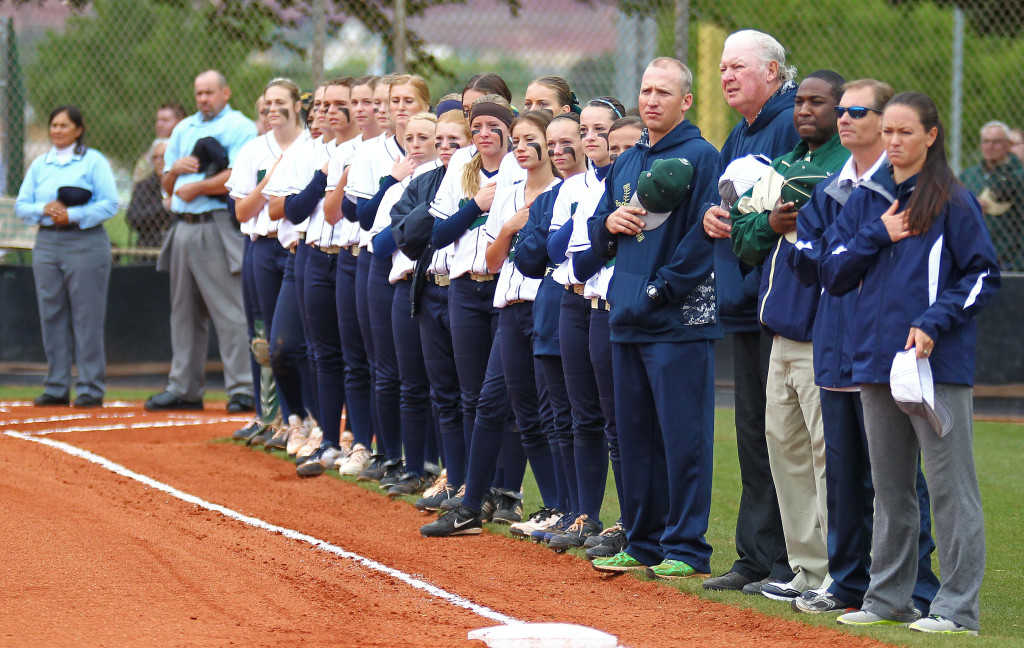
<point x="796" y="453"/>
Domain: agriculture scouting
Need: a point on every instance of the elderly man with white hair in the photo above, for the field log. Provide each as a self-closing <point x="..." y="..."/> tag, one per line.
<point x="998" y="182"/>
<point x="757" y="83"/>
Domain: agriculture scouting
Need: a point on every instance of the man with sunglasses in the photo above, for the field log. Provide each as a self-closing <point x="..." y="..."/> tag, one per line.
<point x="847" y="468"/>
<point x="757" y="83"/>
<point x="763" y="233"/>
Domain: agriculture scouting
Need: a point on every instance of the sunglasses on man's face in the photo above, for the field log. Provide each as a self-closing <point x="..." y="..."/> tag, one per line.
<point x="856" y="112"/>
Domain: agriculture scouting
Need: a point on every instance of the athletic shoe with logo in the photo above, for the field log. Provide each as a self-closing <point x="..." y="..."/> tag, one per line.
<point x="610" y="542"/>
<point x="541" y="519"/>
<point x="318" y="462"/>
<point x="779" y="591"/>
<point x="598" y="538"/>
<point x="753" y="588"/>
<point x="582" y="528"/>
<point x="865" y="618"/>
<point x="409" y="483"/>
<point x="620" y="562"/>
<point x="461" y="521"/>
<point x="356" y="462"/>
<point x="374" y="471"/>
<point x="818" y="601"/>
<point x="674" y="569"/>
<point x="937" y="624"/>
<point x="313" y="441"/>
<point x="558" y="528"/>
<point x="393" y="469"/>
<point x="508" y="506"/>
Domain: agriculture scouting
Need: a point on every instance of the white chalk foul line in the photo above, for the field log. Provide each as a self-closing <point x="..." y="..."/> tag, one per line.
<point x="128" y="426"/>
<point x="412" y="581"/>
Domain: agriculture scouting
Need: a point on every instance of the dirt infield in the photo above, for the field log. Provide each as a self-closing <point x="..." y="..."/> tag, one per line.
<point x="94" y="558"/>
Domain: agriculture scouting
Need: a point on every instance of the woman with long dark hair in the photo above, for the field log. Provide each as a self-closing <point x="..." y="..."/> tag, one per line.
<point x="69" y="192"/>
<point x="913" y="241"/>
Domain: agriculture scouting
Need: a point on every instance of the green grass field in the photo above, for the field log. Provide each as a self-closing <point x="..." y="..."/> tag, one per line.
<point x="999" y="448"/>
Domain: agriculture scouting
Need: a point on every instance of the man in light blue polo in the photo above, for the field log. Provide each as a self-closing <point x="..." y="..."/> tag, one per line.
<point x="203" y="250"/>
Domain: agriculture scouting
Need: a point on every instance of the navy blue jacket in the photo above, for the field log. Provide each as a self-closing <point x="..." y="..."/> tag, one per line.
<point x="530" y="256"/>
<point x="675" y="258"/>
<point x="772" y="134"/>
<point x="833" y="323"/>
<point x="412" y="225"/>
<point x="936" y="281"/>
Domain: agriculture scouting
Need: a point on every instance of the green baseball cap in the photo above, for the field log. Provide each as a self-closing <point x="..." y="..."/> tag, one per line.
<point x="799" y="182"/>
<point x="661" y="189"/>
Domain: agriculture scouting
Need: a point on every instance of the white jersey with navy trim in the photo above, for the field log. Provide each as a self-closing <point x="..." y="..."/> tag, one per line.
<point x="292" y="163"/>
<point x="597" y="285"/>
<point x="373" y="162"/>
<point x="255" y="159"/>
<point x="573" y="192"/>
<point x="346" y="232"/>
<point x="470" y="248"/>
<point x="512" y="285"/>
<point x="401" y="265"/>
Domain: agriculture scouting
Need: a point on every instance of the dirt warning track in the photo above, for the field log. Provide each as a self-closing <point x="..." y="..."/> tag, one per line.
<point x="94" y="557"/>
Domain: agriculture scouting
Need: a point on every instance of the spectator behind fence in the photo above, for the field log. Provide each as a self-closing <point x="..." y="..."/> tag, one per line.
<point x="1017" y="143"/>
<point x="998" y="182"/>
<point x="167" y="117"/>
<point x="148" y="212"/>
<point x="68" y="192"/>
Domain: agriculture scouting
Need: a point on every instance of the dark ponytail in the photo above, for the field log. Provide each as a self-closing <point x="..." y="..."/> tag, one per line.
<point x="936" y="180"/>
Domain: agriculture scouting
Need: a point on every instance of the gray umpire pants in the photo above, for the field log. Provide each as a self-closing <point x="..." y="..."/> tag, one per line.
<point x="893" y="442"/>
<point x="71" y="269"/>
<point x="203" y="288"/>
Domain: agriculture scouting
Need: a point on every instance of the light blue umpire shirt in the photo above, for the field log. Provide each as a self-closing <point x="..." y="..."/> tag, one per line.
<point x="88" y="170"/>
<point x="229" y="127"/>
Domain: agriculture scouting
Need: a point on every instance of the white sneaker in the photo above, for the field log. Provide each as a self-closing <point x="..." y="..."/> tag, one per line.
<point x="356" y="462"/>
<point x="346" y="441"/>
<point x="542" y="519"/>
<point x="940" y="625"/>
<point x="298" y="435"/>
<point x="316" y="437"/>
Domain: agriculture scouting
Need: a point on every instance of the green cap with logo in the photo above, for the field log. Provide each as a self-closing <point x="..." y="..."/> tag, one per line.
<point x="799" y="182"/>
<point x="661" y="189"/>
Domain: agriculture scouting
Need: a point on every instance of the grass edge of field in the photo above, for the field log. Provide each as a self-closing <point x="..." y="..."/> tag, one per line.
<point x="1001" y="605"/>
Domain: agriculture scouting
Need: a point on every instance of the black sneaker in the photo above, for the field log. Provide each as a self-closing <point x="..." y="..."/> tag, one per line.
<point x="265" y="435"/>
<point x="558" y="528"/>
<point x="595" y="540"/>
<point x="461" y="521"/>
<point x="374" y="471"/>
<point x="408" y="483"/>
<point x="433" y="496"/>
<point x="49" y="400"/>
<point x="322" y="460"/>
<point x="249" y="431"/>
<point x="489" y="504"/>
<point x="508" y="506"/>
<point x="582" y="528"/>
<point x="613" y="540"/>
<point x="393" y="471"/>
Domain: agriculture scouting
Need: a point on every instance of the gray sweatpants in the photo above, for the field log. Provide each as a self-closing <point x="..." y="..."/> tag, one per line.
<point x="893" y="442"/>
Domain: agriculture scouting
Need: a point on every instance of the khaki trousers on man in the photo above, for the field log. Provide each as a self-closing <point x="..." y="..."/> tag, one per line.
<point x="796" y="453"/>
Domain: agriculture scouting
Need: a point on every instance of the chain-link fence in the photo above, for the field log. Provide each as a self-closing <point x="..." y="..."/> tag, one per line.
<point x="120" y="60"/>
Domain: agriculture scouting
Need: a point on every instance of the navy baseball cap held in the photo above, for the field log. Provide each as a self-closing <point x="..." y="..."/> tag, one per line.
<point x="73" y="196"/>
<point x="661" y="189"/>
<point x="211" y="155"/>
